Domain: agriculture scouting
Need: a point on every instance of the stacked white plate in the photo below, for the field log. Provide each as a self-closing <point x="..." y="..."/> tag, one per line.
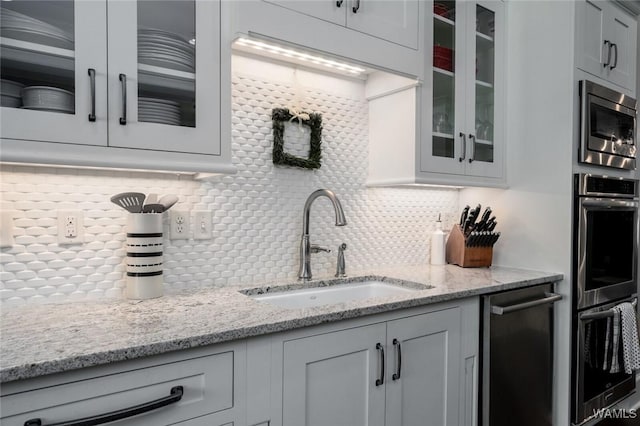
<point x="22" y="27"/>
<point x="160" y="111"/>
<point x="10" y="93"/>
<point x="165" y="49"/>
<point x="44" y="98"/>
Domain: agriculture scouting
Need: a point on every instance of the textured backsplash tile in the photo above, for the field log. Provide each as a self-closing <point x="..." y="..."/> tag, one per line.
<point x="257" y="213"/>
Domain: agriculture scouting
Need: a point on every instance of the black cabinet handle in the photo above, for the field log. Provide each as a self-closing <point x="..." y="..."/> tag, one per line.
<point x="339" y="3"/>
<point x="356" y="7"/>
<point x="473" y="148"/>
<point x="92" y="82"/>
<point x="175" y="396"/>
<point x="398" y="346"/>
<point x="123" y="82"/>
<point x="464" y="147"/>
<point x="380" y="380"/>
<point x="615" y="58"/>
<point x="607" y="43"/>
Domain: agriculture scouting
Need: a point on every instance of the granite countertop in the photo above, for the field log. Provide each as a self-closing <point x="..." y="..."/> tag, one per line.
<point x="44" y="339"/>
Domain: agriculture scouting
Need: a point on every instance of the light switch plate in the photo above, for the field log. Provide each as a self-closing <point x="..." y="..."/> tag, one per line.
<point x="70" y="226"/>
<point x="6" y="228"/>
<point x="202" y="225"/>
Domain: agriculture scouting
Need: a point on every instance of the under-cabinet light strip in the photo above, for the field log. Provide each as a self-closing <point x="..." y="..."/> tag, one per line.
<point x="289" y="53"/>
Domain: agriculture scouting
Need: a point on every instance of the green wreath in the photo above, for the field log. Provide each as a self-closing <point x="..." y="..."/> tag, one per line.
<point x="280" y="157"/>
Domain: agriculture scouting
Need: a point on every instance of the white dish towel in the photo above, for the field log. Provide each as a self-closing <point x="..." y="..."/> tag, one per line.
<point x="629" y="337"/>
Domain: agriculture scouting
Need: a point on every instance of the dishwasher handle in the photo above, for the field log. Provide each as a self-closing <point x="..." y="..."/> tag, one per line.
<point x="501" y="310"/>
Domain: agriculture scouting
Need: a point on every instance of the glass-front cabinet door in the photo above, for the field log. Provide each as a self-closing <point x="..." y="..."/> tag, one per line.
<point x="463" y="132"/>
<point x="164" y="82"/>
<point x="53" y="67"/>
<point x="485" y="87"/>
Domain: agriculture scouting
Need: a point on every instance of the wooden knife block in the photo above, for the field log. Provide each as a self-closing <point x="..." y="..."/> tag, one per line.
<point x="459" y="254"/>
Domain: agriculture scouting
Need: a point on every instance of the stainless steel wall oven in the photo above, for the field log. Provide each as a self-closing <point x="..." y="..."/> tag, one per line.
<point x="596" y="385"/>
<point x="607" y="127"/>
<point x="605" y="274"/>
<point x="606" y="238"/>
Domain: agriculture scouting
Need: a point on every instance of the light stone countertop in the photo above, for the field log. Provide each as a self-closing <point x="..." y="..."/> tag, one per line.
<point x="37" y="340"/>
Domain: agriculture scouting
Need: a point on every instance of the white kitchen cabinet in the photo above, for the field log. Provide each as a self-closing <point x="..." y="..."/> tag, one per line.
<point x="606" y="42"/>
<point x="395" y="21"/>
<point x="157" y="102"/>
<point x="202" y="387"/>
<point x="387" y="34"/>
<point x="455" y="134"/>
<point x="330" y="379"/>
<point x="424" y="369"/>
<point x="396" y="369"/>
<point x="65" y="62"/>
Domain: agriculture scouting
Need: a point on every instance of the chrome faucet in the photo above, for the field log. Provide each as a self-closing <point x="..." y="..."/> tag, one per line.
<point x="305" y="246"/>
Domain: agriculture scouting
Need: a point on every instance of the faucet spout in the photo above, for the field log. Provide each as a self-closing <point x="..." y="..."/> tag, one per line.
<point x="305" y="245"/>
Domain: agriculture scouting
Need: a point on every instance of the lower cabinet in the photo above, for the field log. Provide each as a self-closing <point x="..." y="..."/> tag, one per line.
<point x="413" y="368"/>
<point x="191" y="388"/>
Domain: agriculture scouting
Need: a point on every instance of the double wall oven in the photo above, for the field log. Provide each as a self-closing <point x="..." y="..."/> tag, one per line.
<point x="605" y="274"/>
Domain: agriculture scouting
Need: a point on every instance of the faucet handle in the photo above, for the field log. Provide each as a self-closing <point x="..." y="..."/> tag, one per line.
<point x="317" y="249"/>
<point x="341" y="266"/>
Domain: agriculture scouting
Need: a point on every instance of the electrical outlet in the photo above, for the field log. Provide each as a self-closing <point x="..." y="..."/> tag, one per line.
<point x="70" y="226"/>
<point x="179" y="226"/>
<point x="202" y="225"/>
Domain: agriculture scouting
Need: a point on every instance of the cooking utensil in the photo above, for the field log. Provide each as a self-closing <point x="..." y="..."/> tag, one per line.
<point x="130" y="201"/>
<point x="153" y="208"/>
<point x="168" y="201"/>
<point x="492" y="225"/>
<point x="151" y="199"/>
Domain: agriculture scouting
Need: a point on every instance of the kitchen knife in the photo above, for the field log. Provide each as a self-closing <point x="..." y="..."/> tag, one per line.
<point x="473" y="215"/>
<point x="470" y="239"/>
<point x="483" y="220"/>
<point x="488" y="223"/>
<point x="463" y="216"/>
<point x="492" y="225"/>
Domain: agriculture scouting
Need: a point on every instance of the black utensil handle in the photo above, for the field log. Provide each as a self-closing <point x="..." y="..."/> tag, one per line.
<point x="92" y="83"/>
<point x="356" y="7"/>
<point x="463" y="137"/>
<point x="123" y="82"/>
<point x="398" y="346"/>
<point x="607" y="43"/>
<point x="339" y="3"/>
<point x="380" y="380"/>
<point x="175" y="396"/>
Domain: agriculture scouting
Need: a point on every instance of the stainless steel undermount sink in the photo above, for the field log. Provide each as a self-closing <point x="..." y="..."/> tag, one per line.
<point x="336" y="293"/>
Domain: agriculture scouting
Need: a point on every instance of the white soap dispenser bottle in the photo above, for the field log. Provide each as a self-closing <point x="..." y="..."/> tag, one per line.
<point x="438" y="244"/>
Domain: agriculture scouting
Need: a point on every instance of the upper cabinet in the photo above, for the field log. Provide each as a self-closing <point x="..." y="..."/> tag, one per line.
<point x="383" y="34"/>
<point x="155" y="103"/>
<point x="606" y="42"/>
<point x="457" y="137"/>
<point x="395" y="21"/>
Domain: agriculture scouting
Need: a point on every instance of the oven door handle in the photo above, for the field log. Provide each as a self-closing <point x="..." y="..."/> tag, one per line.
<point x="501" y="310"/>
<point x="599" y="202"/>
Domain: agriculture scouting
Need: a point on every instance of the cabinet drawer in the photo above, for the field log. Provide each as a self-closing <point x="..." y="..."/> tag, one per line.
<point x="207" y="384"/>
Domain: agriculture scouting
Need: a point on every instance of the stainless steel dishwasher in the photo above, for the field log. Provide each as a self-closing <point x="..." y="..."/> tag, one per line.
<point x="517" y="357"/>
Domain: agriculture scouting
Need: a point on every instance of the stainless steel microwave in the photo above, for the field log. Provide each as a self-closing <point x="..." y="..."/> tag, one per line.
<point x="607" y="127"/>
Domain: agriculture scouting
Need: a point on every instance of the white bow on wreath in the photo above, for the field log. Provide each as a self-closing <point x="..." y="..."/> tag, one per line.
<point x="298" y="114"/>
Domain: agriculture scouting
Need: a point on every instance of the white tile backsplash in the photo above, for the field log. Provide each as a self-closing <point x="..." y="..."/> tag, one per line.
<point x="257" y="213"/>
